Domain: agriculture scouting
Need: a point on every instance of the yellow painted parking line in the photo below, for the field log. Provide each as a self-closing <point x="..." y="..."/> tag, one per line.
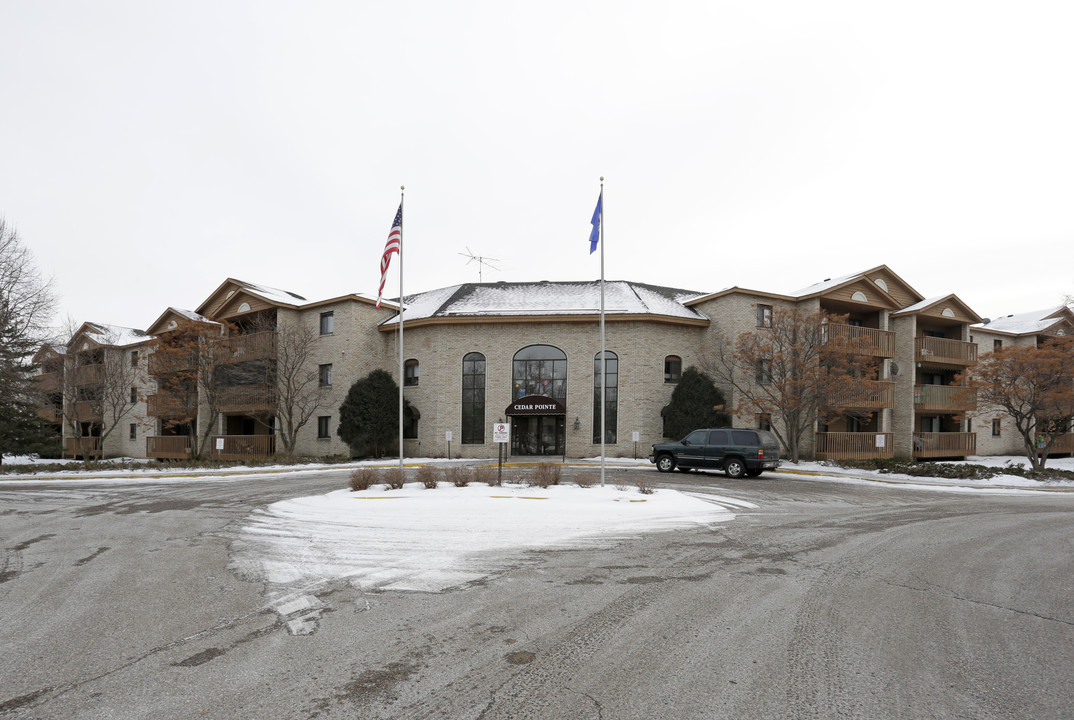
<point x="381" y="497"/>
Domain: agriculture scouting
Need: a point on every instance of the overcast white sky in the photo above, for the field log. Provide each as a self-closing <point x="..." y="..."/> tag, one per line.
<point x="149" y="150"/>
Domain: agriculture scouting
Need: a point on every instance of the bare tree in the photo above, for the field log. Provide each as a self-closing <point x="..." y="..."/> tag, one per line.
<point x="795" y="371"/>
<point x="26" y="306"/>
<point x="1035" y="387"/>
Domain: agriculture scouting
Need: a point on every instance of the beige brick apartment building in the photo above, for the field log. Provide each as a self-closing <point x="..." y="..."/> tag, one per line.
<point x="527" y="353"/>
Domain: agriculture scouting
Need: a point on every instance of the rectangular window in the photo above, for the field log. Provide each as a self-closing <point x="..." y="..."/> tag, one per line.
<point x="764" y="421"/>
<point x="997" y="344"/>
<point x="134" y="396"/>
<point x="996" y="428"/>
<point x="410" y="427"/>
<point x="764" y="372"/>
<point x="134" y="431"/>
<point x="327" y="322"/>
<point x="764" y="316"/>
<point x="326" y="375"/>
<point x="134" y="358"/>
<point x="322" y="427"/>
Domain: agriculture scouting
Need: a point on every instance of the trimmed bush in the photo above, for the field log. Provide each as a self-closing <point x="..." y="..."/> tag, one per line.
<point x="457" y="476"/>
<point x="586" y="480"/>
<point x="645" y="484"/>
<point x="427" y="476"/>
<point x="488" y="475"/>
<point x="545" y="475"/>
<point x="395" y="478"/>
<point x="362" y="478"/>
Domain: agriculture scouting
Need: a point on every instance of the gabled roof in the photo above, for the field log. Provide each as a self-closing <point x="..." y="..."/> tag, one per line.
<point x="949" y="306"/>
<point x="880" y="286"/>
<point x="1030" y="323"/>
<point x="103" y="335"/>
<point x="231" y="291"/>
<point x="171" y="317"/>
<point x="548" y="299"/>
<point x="48" y="351"/>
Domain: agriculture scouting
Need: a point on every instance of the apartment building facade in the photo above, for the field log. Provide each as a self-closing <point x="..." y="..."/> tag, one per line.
<point x="529" y="354"/>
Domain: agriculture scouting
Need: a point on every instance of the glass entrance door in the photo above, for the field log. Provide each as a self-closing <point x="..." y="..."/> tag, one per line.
<point x="538" y="435"/>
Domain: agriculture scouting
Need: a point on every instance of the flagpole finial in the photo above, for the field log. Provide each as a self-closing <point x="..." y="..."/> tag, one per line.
<point x="602" y="178"/>
<point x="403" y="187"/>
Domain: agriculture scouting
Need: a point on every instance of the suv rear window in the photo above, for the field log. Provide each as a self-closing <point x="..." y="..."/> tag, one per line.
<point x="744" y="437"/>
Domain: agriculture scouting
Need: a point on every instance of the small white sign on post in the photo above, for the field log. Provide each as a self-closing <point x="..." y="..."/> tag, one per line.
<point x="219" y="443"/>
<point x="881" y="440"/>
<point x="447" y="436"/>
<point x="501" y="432"/>
<point x="636" y="435"/>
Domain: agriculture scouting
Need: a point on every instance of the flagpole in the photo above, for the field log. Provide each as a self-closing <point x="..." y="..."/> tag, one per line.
<point x="603" y="359"/>
<point x="402" y="380"/>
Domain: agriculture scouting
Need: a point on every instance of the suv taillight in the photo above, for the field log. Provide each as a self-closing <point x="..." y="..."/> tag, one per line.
<point x="760" y="453"/>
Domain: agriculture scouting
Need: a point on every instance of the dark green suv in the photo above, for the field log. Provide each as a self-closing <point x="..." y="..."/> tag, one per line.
<point x="736" y="452"/>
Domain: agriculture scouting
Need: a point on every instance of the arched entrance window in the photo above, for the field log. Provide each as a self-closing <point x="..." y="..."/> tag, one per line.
<point x="539" y="370"/>
<point x="473" y="399"/>
<point x="538" y="428"/>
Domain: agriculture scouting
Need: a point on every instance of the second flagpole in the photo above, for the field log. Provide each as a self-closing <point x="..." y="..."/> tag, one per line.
<point x="402" y="381"/>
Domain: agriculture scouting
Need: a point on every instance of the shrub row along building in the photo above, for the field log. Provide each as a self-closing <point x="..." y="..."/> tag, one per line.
<point x="272" y="369"/>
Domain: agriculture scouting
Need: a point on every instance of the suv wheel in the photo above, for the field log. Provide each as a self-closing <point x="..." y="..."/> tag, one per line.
<point x="735" y="468"/>
<point x="665" y="463"/>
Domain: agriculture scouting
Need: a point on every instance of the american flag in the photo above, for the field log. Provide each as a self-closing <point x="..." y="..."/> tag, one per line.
<point x="392" y="246"/>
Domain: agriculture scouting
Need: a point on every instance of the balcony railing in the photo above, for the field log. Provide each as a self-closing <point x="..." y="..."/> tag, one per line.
<point x="168" y="447"/>
<point x="87" y="411"/>
<point x="879" y="398"/>
<point x="241" y="447"/>
<point x="172" y="405"/>
<point x="50" y="413"/>
<point x="882" y="342"/>
<point x="943" y="351"/>
<point x="251" y="346"/>
<point x="246" y="399"/>
<point x="944" y="398"/>
<point x="944" y="444"/>
<point x="854" y="446"/>
<point x="49" y="381"/>
<point x="87" y="374"/>
<point x="1063" y="445"/>
<point x="90" y="446"/>
<point x="172" y="361"/>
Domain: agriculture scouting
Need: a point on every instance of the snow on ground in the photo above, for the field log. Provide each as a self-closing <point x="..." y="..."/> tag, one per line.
<point x="420" y="539"/>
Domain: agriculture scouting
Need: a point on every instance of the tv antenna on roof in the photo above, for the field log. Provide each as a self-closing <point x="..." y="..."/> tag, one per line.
<point x="481" y="263"/>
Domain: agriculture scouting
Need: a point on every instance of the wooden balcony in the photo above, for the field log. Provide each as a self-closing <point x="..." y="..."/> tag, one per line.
<point x="944" y="444"/>
<point x="171" y="361"/>
<point x="1063" y="445"/>
<point x="942" y="351"/>
<point x="48" y="382"/>
<point x="241" y="447"/>
<point x="854" y="446"/>
<point x="251" y="346"/>
<point x="87" y="411"/>
<point x="172" y="405"/>
<point x="86" y="375"/>
<point x="50" y="413"/>
<point x="246" y="399"/>
<point x="882" y="342"/>
<point x="879" y="398"/>
<point x="944" y="399"/>
<point x="90" y="446"/>
<point x="168" y="447"/>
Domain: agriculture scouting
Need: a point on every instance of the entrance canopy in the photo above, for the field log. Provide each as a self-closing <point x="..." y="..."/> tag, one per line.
<point x="536" y="405"/>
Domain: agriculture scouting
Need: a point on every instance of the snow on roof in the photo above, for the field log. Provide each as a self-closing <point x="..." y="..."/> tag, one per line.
<point x="825" y="284"/>
<point x="274" y="294"/>
<point x="115" y="335"/>
<point x="923" y="304"/>
<point x="549" y="298"/>
<point x="191" y="315"/>
<point x="1034" y="321"/>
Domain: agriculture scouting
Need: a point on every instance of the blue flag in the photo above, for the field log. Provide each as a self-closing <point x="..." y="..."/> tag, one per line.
<point x="594" y="236"/>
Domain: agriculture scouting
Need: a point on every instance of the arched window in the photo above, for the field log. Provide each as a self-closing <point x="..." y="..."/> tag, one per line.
<point x="473" y="399"/>
<point x="672" y="368"/>
<point x="539" y="370"/>
<point x="611" y="397"/>
<point x="410" y="373"/>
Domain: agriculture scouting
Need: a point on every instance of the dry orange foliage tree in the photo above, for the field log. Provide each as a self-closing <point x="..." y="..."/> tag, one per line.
<point x="1035" y="387"/>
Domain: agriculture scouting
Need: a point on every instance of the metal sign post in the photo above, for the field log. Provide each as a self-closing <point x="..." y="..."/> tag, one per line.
<point x="501" y="433"/>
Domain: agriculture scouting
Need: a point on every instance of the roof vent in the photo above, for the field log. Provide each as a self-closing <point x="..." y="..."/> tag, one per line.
<point x="985" y="321"/>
